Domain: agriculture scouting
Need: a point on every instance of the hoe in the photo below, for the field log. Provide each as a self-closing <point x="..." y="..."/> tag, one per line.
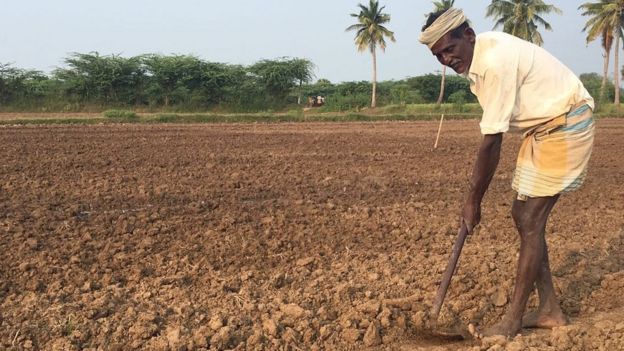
<point x="457" y="331"/>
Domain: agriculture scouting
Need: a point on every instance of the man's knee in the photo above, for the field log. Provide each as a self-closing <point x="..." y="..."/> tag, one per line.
<point x="531" y="216"/>
<point x="523" y="219"/>
<point x="519" y="214"/>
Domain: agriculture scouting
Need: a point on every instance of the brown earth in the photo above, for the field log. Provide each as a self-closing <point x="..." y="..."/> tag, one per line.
<point x="283" y="237"/>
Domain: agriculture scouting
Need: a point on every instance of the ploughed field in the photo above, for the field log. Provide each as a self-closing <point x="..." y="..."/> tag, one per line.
<point x="284" y="237"/>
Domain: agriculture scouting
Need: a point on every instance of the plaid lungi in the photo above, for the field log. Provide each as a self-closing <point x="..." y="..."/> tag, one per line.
<point x="553" y="156"/>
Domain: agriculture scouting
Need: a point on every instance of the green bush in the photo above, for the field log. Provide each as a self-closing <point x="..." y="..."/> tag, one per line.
<point x="458" y="99"/>
<point x="120" y="114"/>
<point x="347" y="102"/>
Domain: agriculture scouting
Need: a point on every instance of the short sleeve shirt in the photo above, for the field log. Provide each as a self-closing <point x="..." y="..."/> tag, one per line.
<point x="520" y="85"/>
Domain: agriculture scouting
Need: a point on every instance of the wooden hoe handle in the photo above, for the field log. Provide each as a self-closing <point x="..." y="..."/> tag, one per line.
<point x="450" y="269"/>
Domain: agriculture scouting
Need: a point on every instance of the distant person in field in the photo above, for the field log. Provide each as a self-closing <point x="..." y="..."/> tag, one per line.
<point x="522" y="89"/>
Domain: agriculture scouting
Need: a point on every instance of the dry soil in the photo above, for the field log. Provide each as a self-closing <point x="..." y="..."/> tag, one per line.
<point x="284" y="237"/>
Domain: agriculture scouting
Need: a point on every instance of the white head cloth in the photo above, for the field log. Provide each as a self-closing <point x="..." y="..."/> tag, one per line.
<point x="449" y="20"/>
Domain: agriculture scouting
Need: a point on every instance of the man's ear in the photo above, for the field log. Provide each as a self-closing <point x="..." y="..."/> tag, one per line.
<point x="470" y="34"/>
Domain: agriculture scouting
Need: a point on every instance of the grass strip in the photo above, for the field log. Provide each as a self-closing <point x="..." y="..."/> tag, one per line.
<point x="236" y="118"/>
<point x="165" y="118"/>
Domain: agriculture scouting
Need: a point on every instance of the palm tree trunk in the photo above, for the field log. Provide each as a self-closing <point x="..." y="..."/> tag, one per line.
<point x="442" y="82"/>
<point x="374" y="97"/>
<point x="616" y="72"/>
<point x="605" y="75"/>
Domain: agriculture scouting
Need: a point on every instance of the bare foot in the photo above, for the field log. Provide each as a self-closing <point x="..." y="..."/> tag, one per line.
<point x="545" y="320"/>
<point x="507" y="328"/>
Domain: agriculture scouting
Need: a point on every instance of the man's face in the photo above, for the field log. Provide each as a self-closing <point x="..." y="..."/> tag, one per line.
<point x="455" y="52"/>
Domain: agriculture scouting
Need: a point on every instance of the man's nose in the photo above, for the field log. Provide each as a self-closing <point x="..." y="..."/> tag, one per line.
<point x="443" y="59"/>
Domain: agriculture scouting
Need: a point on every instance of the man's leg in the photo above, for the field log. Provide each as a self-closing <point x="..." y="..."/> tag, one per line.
<point x="530" y="217"/>
<point x="548" y="314"/>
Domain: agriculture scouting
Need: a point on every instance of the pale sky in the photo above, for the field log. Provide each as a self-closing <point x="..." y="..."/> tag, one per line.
<point x="39" y="34"/>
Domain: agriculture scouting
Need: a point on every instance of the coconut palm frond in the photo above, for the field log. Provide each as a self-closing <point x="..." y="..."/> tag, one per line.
<point x="521" y="18"/>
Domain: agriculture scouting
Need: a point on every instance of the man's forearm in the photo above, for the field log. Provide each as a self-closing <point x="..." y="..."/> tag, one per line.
<point x="485" y="166"/>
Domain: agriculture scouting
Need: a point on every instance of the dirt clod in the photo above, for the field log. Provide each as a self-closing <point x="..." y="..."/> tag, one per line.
<point x="370" y="307"/>
<point x="270" y="327"/>
<point x="216" y="322"/>
<point x="221" y="339"/>
<point x="305" y="261"/>
<point x="372" y="336"/>
<point x="351" y="335"/>
<point x="499" y="298"/>
<point x="293" y="311"/>
<point x="173" y="336"/>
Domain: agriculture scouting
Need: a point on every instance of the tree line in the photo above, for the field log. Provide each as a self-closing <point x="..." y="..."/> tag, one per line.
<point x="188" y="83"/>
<point x="154" y="81"/>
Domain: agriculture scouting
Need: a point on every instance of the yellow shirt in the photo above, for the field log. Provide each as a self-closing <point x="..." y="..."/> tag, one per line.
<point x="519" y="85"/>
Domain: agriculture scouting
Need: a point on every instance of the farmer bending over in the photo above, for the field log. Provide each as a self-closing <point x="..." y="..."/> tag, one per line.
<point x="522" y="89"/>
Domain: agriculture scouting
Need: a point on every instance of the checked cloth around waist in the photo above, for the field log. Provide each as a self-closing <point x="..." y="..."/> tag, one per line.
<point x="553" y="156"/>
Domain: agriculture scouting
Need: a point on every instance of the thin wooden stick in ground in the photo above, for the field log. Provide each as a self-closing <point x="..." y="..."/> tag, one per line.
<point x="435" y="146"/>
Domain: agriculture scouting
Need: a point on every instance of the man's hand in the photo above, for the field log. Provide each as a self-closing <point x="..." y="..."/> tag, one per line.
<point x="471" y="215"/>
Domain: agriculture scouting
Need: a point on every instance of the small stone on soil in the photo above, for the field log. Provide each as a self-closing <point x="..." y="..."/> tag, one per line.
<point x="499" y="299"/>
<point x="471" y="329"/>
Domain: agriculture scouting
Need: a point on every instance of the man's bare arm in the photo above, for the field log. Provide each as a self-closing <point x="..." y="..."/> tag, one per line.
<point x="484" y="168"/>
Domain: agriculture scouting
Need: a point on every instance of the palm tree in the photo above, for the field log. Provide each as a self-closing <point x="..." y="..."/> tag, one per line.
<point x="606" y="21"/>
<point x="439" y="6"/>
<point x="370" y="34"/>
<point x="521" y="17"/>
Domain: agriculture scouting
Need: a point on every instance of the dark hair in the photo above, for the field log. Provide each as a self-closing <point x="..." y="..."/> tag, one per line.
<point x="455" y="33"/>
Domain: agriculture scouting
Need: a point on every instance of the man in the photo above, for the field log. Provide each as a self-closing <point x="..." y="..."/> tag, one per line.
<point x="522" y="89"/>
